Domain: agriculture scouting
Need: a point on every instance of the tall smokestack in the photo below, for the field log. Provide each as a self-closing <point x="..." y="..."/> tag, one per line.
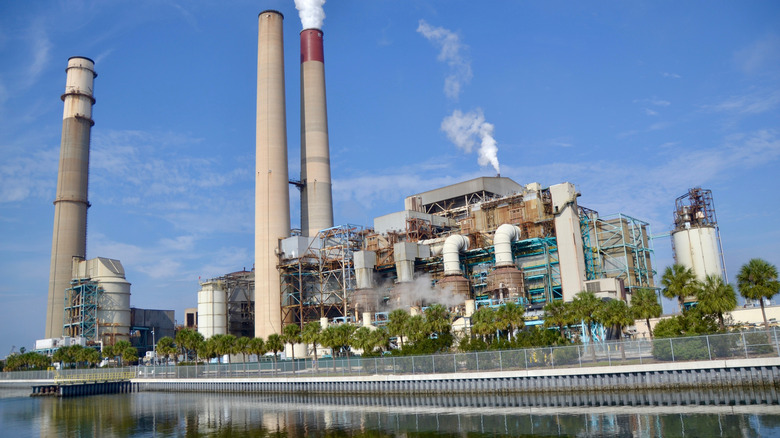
<point x="316" y="197"/>
<point x="272" y="199"/>
<point x="69" y="239"/>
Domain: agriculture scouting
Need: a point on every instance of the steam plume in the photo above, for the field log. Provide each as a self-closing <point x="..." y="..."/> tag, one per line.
<point x="463" y="130"/>
<point x="420" y="290"/>
<point x="451" y="48"/>
<point x="311" y="13"/>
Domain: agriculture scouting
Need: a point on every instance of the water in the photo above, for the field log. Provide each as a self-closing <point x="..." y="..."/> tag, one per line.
<point x="730" y="413"/>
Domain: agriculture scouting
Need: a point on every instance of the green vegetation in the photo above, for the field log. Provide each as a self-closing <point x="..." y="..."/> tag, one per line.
<point x="26" y="361"/>
<point x="757" y="280"/>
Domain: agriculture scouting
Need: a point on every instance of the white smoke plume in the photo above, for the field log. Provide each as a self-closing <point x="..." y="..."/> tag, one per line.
<point x="311" y="13"/>
<point x="422" y="291"/>
<point x="451" y="53"/>
<point x="464" y="129"/>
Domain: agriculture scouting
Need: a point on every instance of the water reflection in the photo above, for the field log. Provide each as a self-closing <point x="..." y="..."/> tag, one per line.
<point x="726" y="413"/>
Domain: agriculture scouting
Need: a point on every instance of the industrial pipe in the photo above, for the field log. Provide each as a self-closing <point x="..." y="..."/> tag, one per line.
<point x="453" y="246"/>
<point x="502" y="244"/>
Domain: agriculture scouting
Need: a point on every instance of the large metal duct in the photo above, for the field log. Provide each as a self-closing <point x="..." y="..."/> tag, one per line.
<point x="272" y="199"/>
<point x="453" y="282"/>
<point x="506" y="281"/>
<point x="69" y="239"/>
<point x="316" y="195"/>
<point x="453" y="246"/>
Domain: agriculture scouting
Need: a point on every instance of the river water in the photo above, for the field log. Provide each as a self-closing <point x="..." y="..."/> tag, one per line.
<point x="706" y="413"/>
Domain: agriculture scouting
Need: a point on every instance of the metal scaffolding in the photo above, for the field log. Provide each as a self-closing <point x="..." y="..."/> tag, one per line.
<point x="624" y="250"/>
<point x="81" y="304"/>
<point x="319" y="283"/>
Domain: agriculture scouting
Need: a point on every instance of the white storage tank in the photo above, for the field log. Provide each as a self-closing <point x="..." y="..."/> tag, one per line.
<point x="696" y="238"/>
<point x="698" y="248"/>
<point x="212" y="309"/>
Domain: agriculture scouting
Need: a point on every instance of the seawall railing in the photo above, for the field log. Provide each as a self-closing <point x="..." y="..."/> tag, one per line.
<point x="729" y="346"/>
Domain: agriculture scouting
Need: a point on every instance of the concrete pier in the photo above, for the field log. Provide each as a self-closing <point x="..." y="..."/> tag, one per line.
<point x="81" y="389"/>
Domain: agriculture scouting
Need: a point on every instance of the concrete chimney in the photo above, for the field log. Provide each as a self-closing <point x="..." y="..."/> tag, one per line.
<point x="69" y="239"/>
<point x="316" y="195"/>
<point x="272" y="200"/>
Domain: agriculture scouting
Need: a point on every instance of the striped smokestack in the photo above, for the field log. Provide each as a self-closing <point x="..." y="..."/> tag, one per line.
<point x="69" y="239"/>
<point x="316" y="197"/>
<point x="272" y="201"/>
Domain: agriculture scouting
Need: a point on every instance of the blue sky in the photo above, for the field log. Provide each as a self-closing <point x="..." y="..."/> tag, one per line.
<point x="634" y="102"/>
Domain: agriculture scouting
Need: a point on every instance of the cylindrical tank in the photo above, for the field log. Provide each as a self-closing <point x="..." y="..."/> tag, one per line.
<point x="212" y="309"/>
<point x="272" y="197"/>
<point x="316" y="194"/>
<point x="455" y="286"/>
<point x="69" y="238"/>
<point x="697" y="248"/>
<point x="505" y="283"/>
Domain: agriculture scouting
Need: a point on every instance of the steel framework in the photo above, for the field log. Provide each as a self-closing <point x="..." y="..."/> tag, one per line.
<point x="319" y="283"/>
<point x="624" y="250"/>
<point x="81" y="305"/>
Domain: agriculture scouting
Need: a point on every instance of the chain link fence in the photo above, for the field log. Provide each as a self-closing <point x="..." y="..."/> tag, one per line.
<point x="737" y="345"/>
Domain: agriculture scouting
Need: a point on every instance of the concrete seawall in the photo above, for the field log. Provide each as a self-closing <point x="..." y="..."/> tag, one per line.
<point x="760" y="372"/>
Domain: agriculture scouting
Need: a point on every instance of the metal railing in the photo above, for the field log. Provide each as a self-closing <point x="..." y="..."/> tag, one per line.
<point x="745" y="345"/>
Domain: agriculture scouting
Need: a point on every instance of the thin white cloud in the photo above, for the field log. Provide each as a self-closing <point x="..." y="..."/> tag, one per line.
<point x="452" y="52"/>
<point x="650" y="112"/>
<point x="753" y="103"/>
<point x="671" y="75"/>
<point x="40" y="46"/>
<point x="760" y="55"/>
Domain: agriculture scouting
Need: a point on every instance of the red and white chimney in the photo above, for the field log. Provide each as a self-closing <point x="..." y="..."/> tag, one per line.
<point x="316" y="195"/>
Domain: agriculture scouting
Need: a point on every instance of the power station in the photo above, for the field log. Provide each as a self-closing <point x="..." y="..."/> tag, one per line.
<point x="487" y="241"/>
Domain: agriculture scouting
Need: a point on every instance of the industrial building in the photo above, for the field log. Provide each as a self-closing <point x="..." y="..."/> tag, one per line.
<point x="485" y="241"/>
<point x="89" y="299"/>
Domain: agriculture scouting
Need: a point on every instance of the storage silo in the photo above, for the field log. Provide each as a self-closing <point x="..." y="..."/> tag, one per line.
<point x="696" y="237"/>
<point x="212" y="309"/>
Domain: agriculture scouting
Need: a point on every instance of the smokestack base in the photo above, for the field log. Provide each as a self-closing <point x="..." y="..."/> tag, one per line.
<point x="311" y="45"/>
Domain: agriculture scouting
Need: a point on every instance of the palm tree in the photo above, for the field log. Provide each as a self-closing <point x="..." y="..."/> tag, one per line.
<point x="242" y="347"/>
<point x="758" y="280"/>
<point x="617" y="315"/>
<point x="291" y="334"/>
<point x="679" y="282"/>
<point x="188" y="340"/>
<point x="716" y="297"/>
<point x="510" y="317"/>
<point x="362" y="340"/>
<point x="329" y="339"/>
<point x="222" y="344"/>
<point x="275" y="344"/>
<point x="380" y="338"/>
<point x="257" y="346"/>
<point x="108" y="352"/>
<point x="396" y="324"/>
<point x="585" y="307"/>
<point x="558" y="314"/>
<point x="119" y="350"/>
<point x="416" y="329"/>
<point x="311" y="335"/>
<point x="483" y="322"/>
<point x="438" y="319"/>
<point x="166" y="348"/>
<point x="645" y="305"/>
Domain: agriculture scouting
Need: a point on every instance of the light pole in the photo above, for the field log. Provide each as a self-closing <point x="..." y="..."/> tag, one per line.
<point x="154" y="348"/>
